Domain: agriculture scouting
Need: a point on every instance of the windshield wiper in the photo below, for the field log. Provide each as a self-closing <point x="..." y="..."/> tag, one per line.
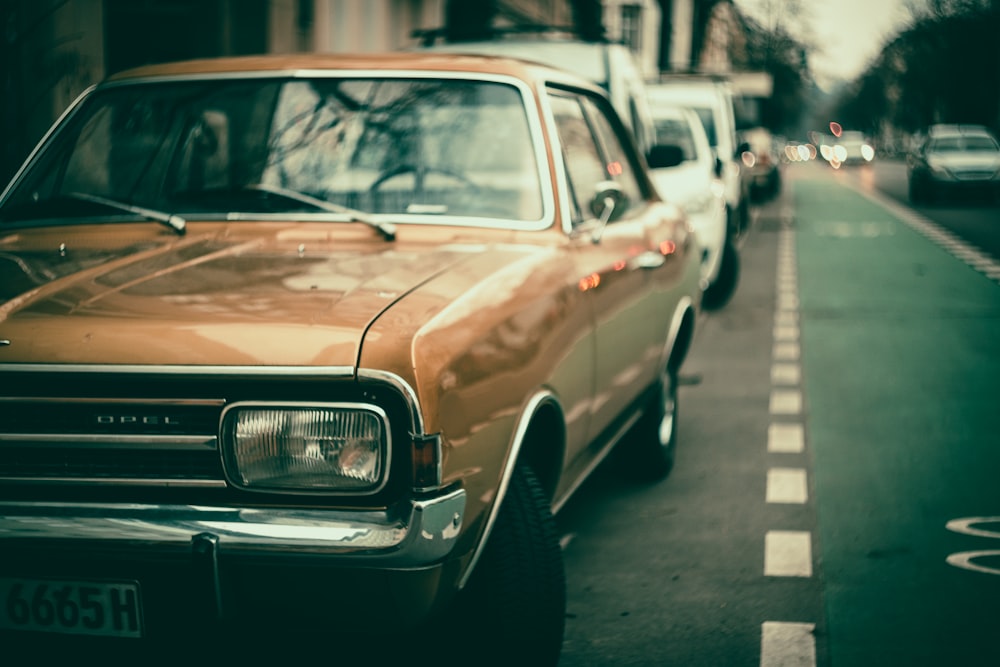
<point x="174" y="222"/>
<point x="387" y="230"/>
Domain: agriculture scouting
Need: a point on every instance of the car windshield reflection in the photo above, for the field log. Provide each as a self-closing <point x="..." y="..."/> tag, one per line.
<point x="350" y="147"/>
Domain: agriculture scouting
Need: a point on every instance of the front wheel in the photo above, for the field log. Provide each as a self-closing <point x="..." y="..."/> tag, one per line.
<point x="514" y="606"/>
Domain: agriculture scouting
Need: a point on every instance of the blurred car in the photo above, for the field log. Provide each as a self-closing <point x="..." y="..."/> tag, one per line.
<point x="318" y="343"/>
<point x="847" y="148"/>
<point x="762" y="163"/>
<point x="712" y="99"/>
<point x="692" y="180"/>
<point x="607" y="64"/>
<point x="952" y="159"/>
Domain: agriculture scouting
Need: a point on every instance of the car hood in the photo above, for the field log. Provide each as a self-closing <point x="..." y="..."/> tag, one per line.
<point x="240" y="294"/>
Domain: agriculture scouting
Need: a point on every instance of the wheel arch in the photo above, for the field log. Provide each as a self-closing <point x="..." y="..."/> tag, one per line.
<point x="681" y="335"/>
<point x="539" y="441"/>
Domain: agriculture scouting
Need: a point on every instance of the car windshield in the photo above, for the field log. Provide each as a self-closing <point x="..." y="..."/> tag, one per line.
<point x="335" y="146"/>
<point x="676" y="132"/>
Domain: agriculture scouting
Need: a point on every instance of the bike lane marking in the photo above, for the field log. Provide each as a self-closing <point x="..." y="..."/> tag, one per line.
<point x="787" y="553"/>
<point x="901" y="367"/>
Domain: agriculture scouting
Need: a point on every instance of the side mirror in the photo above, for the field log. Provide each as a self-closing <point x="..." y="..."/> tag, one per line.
<point x="609" y="204"/>
<point x="665" y="156"/>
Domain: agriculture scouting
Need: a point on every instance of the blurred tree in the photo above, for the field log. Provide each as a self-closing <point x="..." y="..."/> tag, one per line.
<point x="469" y="20"/>
<point x="943" y="68"/>
<point x="772" y="49"/>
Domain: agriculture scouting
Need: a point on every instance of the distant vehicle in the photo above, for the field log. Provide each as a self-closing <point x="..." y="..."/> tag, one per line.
<point x="852" y="147"/>
<point x="712" y="99"/>
<point x="609" y="65"/>
<point x="692" y="182"/>
<point x="951" y="159"/>
<point x="763" y="163"/>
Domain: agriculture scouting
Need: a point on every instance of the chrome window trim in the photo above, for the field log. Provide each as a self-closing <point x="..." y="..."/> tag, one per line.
<point x="527" y="98"/>
<point x="299" y="405"/>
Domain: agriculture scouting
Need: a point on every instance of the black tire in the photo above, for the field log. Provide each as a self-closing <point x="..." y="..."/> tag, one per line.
<point x="721" y="291"/>
<point x="513" y="610"/>
<point x="651" y="447"/>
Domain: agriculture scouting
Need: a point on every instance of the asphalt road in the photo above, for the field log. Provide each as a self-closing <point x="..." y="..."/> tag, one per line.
<point x="835" y="500"/>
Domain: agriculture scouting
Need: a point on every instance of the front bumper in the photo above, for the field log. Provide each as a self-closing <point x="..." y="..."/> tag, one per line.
<point x="273" y="567"/>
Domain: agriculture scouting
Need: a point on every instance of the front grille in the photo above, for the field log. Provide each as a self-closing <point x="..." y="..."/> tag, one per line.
<point x="34" y="463"/>
<point x="128" y="441"/>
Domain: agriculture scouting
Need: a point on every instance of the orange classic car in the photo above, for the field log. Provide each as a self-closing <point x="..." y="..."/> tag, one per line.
<point x="320" y="344"/>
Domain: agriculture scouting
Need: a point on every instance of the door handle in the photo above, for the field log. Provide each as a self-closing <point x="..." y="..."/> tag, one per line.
<point x="647" y="260"/>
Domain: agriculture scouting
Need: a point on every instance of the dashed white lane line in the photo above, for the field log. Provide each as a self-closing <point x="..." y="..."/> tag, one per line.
<point x="787" y="644"/>
<point x="785" y="374"/>
<point x="786" y="352"/>
<point x="785" y="438"/>
<point x="788" y="553"/>
<point x="787" y="486"/>
<point x="786" y="402"/>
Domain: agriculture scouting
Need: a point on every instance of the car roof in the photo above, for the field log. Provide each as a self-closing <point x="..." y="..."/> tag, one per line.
<point x="305" y="63"/>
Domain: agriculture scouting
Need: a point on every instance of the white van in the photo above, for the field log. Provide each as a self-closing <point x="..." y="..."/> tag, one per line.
<point x="608" y="65"/>
<point x="712" y="99"/>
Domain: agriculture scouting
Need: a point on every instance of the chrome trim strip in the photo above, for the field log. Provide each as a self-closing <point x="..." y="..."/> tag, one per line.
<point x="109" y="482"/>
<point x="404" y="388"/>
<point x="209" y="402"/>
<point x="422" y="533"/>
<point x="95" y="441"/>
<point x="597" y="460"/>
<point x="150" y="369"/>
<point x="530" y="408"/>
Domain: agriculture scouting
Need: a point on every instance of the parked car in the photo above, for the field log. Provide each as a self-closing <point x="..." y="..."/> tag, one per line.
<point x="692" y="180"/>
<point x="607" y="64"/>
<point x="712" y="99"/>
<point x="952" y="159"/>
<point x="763" y="163"/>
<point x="317" y="344"/>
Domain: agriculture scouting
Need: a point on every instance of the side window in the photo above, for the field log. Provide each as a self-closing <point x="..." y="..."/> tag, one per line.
<point x="621" y="164"/>
<point x="584" y="165"/>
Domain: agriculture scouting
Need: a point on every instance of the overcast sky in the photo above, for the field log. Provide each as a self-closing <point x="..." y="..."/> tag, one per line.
<point x="846" y="34"/>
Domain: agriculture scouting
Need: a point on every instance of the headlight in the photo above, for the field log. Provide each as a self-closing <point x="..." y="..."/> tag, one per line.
<point x="330" y="448"/>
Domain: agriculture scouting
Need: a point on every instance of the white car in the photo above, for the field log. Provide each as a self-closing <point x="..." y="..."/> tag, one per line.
<point x="713" y="100"/>
<point x="694" y="184"/>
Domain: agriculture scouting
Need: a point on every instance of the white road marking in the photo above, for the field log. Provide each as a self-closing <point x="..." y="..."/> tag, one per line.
<point x="787" y="644"/>
<point x="786" y="351"/>
<point x="786" y="402"/>
<point x="785" y="374"/>
<point x="786" y="333"/>
<point x="787" y="486"/>
<point x="785" y="438"/>
<point x="787" y="553"/>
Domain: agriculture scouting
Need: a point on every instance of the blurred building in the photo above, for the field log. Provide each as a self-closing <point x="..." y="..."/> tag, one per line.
<point x="52" y="50"/>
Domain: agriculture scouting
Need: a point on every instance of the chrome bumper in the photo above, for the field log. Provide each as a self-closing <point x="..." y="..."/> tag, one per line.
<point x="421" y="533"/>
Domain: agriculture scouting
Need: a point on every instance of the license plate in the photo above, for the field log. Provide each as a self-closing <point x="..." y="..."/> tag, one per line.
<point x="110" y="609"/>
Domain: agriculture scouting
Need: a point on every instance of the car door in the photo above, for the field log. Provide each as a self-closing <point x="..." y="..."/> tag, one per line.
<point x="622" y="267"/>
